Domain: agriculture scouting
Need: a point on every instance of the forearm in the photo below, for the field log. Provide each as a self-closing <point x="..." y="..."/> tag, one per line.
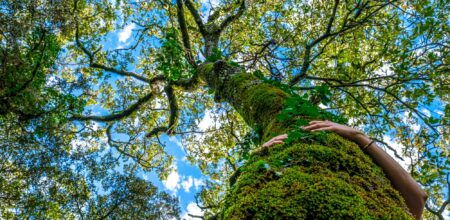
<point x="415" y="197"/>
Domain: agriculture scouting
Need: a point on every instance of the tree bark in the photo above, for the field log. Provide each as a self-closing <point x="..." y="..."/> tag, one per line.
<point x="330" y="178"/>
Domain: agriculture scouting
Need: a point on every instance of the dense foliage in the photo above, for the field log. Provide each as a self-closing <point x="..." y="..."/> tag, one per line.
<point x="82" y="108"/>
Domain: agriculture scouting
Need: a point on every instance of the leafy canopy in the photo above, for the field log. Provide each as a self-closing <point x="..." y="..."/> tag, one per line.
<point x="69" y="82"/>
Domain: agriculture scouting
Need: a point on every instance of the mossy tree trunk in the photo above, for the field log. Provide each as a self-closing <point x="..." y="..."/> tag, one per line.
<point x="328" y="179"/>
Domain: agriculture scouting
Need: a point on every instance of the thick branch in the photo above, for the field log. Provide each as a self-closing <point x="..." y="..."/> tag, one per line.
<point x="111" y="143"/>
<point x="174" y="110"/>
<point x="184" y="33"/>
<point x="187" y="84"/>
<point x="197" y="18"/>
<point x="113" y="117"/>
<point x="80" y="45"/>
<point x="173" y="117"/>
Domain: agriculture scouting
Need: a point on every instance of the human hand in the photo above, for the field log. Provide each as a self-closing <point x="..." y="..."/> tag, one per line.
<point x="347" y="132"/>
<point x="276" y="140"/>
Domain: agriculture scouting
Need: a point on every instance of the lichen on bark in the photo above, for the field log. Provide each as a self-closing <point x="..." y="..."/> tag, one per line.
<point x="325" y="178"/>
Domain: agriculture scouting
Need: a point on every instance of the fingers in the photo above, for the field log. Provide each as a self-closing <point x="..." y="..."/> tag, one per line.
<point x="314" y="126"/>
<point x="319" y="126"/>
<point x="316" y="121"/>
<point x="270" y="143"/>
<point x="330" y="128"/>
<point x="276" y="140"/>
<point x="280" y="137"/>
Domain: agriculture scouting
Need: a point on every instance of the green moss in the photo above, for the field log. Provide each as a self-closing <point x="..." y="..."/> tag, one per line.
<point x="258" y="103"/>
<point x="205" y="69"/>
<point x="332" y="180"/>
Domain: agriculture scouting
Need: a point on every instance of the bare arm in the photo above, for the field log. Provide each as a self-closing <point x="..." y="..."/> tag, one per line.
<point x="415" y="197"/>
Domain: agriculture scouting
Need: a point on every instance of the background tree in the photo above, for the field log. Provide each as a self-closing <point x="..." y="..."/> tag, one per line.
<point x="381" y="64"/>
<point x="50" y="169"/>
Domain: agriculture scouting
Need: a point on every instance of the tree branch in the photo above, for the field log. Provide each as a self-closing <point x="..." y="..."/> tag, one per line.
<point x="196" y="216"/>
<point x="131" y="74"/>
<point x="398" y="99"/>
<point x="390" y="148"/>
<point x="35" y="69"/>
<point x="113" y="117"/>
<point x="184" y="33"/>
<point x="306" y="60"/>
<point x="173" y="117"/>
<point x="111" y="143"/>
<point x="233" y="17"/>
<point x="346" y="27"/>
<point x="174" y="110"/>
<point x="91" y="57"/>
<point x="197" y="18"/>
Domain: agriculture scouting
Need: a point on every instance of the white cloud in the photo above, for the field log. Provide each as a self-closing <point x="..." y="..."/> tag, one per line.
<point x="95" y="125"/>
<point x="385" y="70"/>
<point x="125" y="34"/>
<point x="78" y="144"/>
<point x="198" y="183"/>
<point x="51" y="81"/>
<point x="172" y="183"/>
<point x="446" y="214"/>
<point x="210" y="120"/>
<point x="414" y="126"/>
<point x="136" y="121"/>
<point x="187" y="183"/>
<point x="426" y="112"/>
<point x="192" y="209"/>
<point x="207" y="121"/>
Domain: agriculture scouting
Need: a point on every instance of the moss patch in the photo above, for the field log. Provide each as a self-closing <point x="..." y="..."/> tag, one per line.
<point x="332" y="180"/>
<point x="258" y="103"/>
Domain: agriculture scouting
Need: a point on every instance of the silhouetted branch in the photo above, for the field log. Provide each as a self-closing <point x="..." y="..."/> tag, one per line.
<point x="113" y="117"/>
<point x="389" y="147"/>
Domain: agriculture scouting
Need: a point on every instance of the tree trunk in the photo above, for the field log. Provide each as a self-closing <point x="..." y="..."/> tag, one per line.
<point x="327" y="179"/>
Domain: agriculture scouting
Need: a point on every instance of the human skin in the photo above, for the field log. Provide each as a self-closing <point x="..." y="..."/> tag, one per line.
<point x="414" y="196"/>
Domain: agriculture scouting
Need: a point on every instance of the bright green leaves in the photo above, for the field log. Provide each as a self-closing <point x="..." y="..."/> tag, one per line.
<point x="300" y="110"/>
<point x="320" y="94"/>
<point x="215" y="56"/>
<point x="170" y="58"/>
<point x="299" y="106"/>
